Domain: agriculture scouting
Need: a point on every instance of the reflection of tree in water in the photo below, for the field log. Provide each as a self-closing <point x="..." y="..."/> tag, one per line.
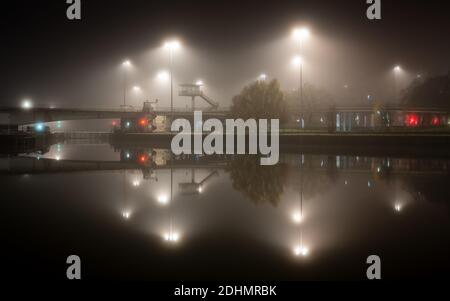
<point x="261" y="184"/>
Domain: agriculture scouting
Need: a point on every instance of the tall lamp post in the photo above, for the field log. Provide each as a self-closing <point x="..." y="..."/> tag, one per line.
<point x="300" y="35"/>
<point x="126" y="65"/>
<point x="171" y="46"/>
<point x="397" y="71"/>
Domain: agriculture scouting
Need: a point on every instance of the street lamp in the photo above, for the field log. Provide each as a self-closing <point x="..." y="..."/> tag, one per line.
<point x="163" y="76"/>
<point x="26" y="104"/>
<point x="300" y="35"/>
<point x="397" y="71"/>
<point x="171" y="46"/>
<point x="126" y="65"/>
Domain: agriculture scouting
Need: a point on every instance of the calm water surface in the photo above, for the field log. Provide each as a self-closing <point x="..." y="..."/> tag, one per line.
<point x="139" y="213"/>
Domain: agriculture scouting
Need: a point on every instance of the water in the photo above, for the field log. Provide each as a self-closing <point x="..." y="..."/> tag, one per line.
<point x="137" y="213"/>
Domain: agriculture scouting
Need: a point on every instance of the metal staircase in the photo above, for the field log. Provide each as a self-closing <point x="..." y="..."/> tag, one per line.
<point x="193" y="90"/>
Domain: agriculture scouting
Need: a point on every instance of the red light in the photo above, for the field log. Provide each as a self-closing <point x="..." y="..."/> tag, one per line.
<point x="143" y="122"/>
<point x="412" y="120"/>
<point x="114" y="123"/>
<point x="143" y="158"/>
<point x="435" y="120"/>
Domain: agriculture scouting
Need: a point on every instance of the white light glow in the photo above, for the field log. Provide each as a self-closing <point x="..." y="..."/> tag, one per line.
<point x="297" y="217"/>
<point x="136" y="183"/>
<point x="397" y="68"/>
<point x="300" y="34"/>
<point x="172" y="45"/>
<point x="199" y="82"/>
<point x="172" y="237"/>
<point x="163" y="199"/>
<point x="301" y="250"/>
<point x="263" y="76"/>
<point x="163" y="76"/>
<point x="398" y="207"/>
<point x="126" y="64"/>
<point x="137" y="89"/>
<point x="297" y="60"/>
<point x="126" y="214"/>
<point x="27" y="104"/>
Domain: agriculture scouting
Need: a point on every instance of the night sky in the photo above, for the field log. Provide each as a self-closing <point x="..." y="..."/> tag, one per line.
<point x="49" y="58"/>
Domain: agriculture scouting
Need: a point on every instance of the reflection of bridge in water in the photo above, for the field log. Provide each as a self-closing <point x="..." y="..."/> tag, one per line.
<point x="311" y="163"/>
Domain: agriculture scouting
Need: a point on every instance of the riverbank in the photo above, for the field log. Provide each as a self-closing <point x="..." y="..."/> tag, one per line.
<point x="389" y="144"/>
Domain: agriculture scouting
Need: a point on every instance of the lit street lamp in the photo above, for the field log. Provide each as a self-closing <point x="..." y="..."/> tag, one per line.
<point x="26" y="104"/>
<point x="300" y="35"/>
<point x="397" y="71"/>
<point x="126" y="65"/>
<point x="171" y="46"/>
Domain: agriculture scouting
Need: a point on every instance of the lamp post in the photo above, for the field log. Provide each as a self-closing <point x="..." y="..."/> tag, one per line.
<point x="171" y="46"/>
<point x="126" y="65"/>
<point x="397" y="71"/>
<point x="300" y="35"/>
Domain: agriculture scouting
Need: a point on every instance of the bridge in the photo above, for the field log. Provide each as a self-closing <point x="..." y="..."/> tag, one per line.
<point x="340" y="118"/>
<point x="19" y="116"/>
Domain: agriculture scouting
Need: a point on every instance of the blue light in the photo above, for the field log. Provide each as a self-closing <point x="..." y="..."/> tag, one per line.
<point x="39" y="127"/>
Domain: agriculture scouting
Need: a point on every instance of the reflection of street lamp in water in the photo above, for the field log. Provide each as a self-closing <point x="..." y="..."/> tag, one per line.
<point x="172" y="235"/>
<point x="297" y="217"/>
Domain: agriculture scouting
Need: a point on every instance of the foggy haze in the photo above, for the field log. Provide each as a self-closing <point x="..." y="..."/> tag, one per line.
<point x="65" y="64"/>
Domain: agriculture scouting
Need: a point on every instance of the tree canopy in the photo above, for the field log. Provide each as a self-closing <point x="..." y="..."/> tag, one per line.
<point x="430" y="92"/>
<point x="260" y="100"/>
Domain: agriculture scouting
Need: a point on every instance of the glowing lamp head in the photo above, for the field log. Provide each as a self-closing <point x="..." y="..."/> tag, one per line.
<point x="397" y="68"/>
<point x="262" y="77"/>
<point x="199" y="83"/>
<point x="163" y="199"/>
<point x="136" y="89"/>
<point x="297" y="60"/>
<point x="172" y="45"/>
<point x="126" y="64"/>
<point x="300" y="34"/>
<point x="26" y="104"/>
<point x="163" y="76"/>
<point x="398" y="207"/>
<point x="297" y="217"/>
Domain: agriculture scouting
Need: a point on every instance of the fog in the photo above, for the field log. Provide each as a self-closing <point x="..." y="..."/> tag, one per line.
<point x="61" y="64"/>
